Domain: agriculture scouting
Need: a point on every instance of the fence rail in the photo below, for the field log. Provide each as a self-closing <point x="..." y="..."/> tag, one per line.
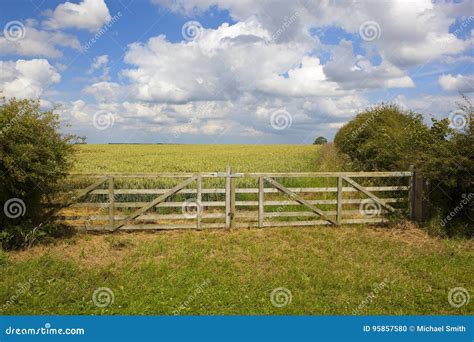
<point x="143" y="201"/>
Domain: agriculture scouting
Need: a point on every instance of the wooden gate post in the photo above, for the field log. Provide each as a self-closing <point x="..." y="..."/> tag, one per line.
<point x="229" y="199"/>
<point x="411" y="195"/>
<point x="111" y="202"/>
<point x="198" y="201"/>
<point x="339" y="200"/>
<point x="232" y="200"/>
<point x="261" y="199"/>
<point x="419" y="207"/>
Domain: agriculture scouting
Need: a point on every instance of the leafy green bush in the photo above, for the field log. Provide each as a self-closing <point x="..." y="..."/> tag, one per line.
<point x="34" y="159"/>
<point x="387" y="138"/>
<point x="381" y="137"/>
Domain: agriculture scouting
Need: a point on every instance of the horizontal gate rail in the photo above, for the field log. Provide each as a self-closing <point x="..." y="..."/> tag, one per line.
<point x="118" y="201"/>
<point x="246" y="175"/>
<point x="247" y="190"/>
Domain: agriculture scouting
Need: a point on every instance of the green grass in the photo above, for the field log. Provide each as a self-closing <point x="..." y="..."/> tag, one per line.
<point x="195" y="158"/>
<point x="328" y="271"/>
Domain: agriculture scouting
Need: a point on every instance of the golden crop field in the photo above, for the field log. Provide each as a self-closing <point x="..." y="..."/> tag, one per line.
<point x="194" y="158"/>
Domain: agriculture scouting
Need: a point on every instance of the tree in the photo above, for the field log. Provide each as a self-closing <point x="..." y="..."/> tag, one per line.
<point x="34" y="158"/>
<point x="320" y="141"/>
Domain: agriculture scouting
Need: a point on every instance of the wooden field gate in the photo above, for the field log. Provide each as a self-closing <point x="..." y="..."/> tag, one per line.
<point x="118" y="201"/>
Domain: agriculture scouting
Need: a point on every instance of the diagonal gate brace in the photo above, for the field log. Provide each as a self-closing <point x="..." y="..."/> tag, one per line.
<point x="156" y="201"/>
<point x="368" y="193"/>
<point x="298" y="199"/>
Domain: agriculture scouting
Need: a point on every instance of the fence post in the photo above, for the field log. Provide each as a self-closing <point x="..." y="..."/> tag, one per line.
<point x="419" y="210"/>
<point x="339" y="200"/>
<point x="198" y="201"/>
<point x="411" y="194"/>
<point x="227" y="198"/>
<point x="111" y="202"/>
<point x="260" y="202"/>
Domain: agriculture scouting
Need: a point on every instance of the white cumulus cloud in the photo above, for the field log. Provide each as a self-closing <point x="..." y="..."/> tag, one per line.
<point x="89" y="15"/>
<point x="37" y="42"/>
<point x="26" y="78"/>
<point x="462" y="83"/>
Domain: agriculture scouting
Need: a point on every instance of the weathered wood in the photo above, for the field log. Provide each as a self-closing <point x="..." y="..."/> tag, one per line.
<point x="339" y="200"/>
<point x="237" y="203"/>
<point x="144" y="217"/>
<point x="249" y="218"/>
<point x="312" y="214"/>
<point x="232" y="201"/>
<point x="251" y="215"/>
<point x="248" y="190"/>
<point x="411" y="193"/>
<point x="240" y="175"/>
<point x="261" y="204"/>
<point x="198" y="201"/>
<point x="296" y="223"/>
<point x="155" y="202"/>
<point x="168" y="227"/>
<point x="322" y="222"/>
<point x="369" y="194"/>
<point x="227" y="198"/>
<point x="418" y="197"/>
<point x="298" y="199"/>
<point x="111" y="202"/>
<point x="81" y="193"/>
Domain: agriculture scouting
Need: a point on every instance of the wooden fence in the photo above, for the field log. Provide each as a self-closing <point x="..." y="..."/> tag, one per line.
<point x="227" y="199"/>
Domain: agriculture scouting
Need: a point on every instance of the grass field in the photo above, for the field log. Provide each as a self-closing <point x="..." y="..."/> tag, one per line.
<point x="344" y="270"/>
<point x="327" y="271"/>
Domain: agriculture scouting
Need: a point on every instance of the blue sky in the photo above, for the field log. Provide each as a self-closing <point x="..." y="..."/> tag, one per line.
<point x="222" y="71"/>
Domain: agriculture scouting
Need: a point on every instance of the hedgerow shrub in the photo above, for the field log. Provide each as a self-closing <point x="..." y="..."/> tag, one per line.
<point x="34" y="158"/>
<point x="387" y="138"/>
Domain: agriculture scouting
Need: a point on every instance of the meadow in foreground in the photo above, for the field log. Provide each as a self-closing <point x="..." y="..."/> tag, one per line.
<point x="326" y="271"/>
